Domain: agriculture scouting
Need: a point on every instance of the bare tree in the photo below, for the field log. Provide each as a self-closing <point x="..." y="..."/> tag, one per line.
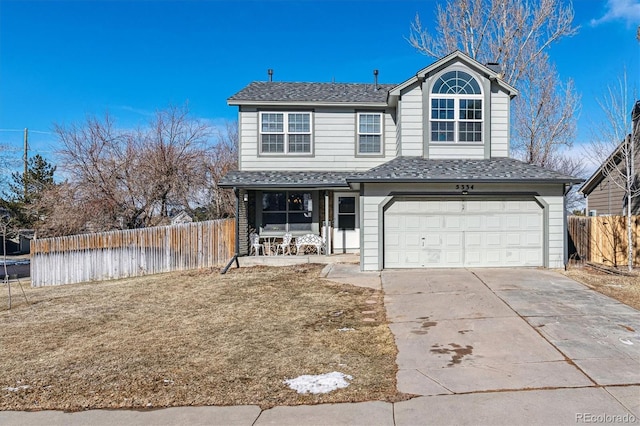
<point x="615" y="145"/>
<point x="544" y="116"/>
<point x="511" y="32"/>
<point x="222" y="158"/>
<point x="515" y="34"/>
<point x="127" y="179"/>
<point x="65" y="212"/>
<point x="174" y="153"/>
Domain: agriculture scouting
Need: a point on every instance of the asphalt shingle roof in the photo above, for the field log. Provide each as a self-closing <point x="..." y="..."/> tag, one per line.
<point x="404" y="170"/>
<point x="265" y="91"/>
<point x="419" y="169"/>
<point x="285" y="179"/>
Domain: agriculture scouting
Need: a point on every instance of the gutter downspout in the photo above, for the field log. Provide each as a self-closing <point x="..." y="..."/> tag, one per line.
<point x="237" y="248"/>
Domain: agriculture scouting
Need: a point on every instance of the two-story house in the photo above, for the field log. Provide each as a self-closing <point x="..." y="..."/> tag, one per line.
<point x="411" y="175"/>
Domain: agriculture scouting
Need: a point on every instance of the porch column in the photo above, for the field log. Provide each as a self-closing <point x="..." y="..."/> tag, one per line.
<point x="326" y="224"/>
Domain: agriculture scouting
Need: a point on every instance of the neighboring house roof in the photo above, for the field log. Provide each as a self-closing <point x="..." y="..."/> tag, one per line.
<point x="616" y="156"/>
<point x="182" y="217"/>
<point x="419" y="169"/>
<point x="285" y="179"/>
<point x="266" y="92"/>
<point x="601" y="173"/>
<point x="404" y="170"/>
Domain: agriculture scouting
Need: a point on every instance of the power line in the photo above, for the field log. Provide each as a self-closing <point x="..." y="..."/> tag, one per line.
<point x="30" y="131"/>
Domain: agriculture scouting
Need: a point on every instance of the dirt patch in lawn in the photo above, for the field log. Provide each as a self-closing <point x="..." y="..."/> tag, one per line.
<point x="625" y="289"/>
<point x="193" y="338"/>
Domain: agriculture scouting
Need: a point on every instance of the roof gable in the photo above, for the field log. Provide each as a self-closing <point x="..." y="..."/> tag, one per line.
<point x="452" y="58"/>
<point x="613" y="161"/>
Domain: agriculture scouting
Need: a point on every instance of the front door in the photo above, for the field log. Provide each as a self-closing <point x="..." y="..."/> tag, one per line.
<point x="346" y="224"/>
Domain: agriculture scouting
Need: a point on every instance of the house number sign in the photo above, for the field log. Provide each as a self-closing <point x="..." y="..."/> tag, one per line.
<point x="464" y="187"/>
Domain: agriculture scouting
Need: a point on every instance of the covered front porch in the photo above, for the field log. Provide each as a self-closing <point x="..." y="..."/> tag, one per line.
<point x="276" y="206"/>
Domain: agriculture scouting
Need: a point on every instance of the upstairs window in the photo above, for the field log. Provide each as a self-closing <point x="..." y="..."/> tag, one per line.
<point x="369" y="133"/>
<point x="285" y="133"/>
<point x="456" y="108"/>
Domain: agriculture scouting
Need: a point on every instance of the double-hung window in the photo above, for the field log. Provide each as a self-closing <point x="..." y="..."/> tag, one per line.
<point x="285" y="132"/>
<point x="456" y="108"/>
<point x="369" y="133"/>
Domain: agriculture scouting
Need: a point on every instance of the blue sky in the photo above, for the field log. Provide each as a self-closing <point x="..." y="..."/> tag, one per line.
<point x="63" y="60"/>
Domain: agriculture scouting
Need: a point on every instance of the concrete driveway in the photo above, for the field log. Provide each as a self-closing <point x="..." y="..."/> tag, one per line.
<point x="507" y="346"/>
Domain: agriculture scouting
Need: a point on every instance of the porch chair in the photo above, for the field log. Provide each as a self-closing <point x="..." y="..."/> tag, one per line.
<point x="285" y="245"/>
<point x="256" y="246"/>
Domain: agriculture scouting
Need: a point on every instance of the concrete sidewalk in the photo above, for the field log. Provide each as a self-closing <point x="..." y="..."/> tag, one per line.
<point x="476" y="347"/>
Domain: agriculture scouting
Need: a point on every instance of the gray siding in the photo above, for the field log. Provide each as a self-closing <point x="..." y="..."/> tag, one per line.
<point x="447" y="151"/>
<point x="411" y="114"/>
<point x="556" y="234"/>
<point x="334" y="144"/>
<point x="607" y="199"/>
<point x="499" y="124"/>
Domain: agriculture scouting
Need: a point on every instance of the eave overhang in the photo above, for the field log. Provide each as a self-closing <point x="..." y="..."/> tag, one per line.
<point x="395" y="92"/>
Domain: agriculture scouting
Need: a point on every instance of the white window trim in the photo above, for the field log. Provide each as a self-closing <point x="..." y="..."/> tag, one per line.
<point x="381" y="133"/>
<point x="456" y="111"/>
<point x="456" y="117"/>
<point x="285" y="132"/>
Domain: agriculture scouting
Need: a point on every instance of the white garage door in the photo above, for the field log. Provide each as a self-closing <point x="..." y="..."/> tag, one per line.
<point x="459" y="233"/>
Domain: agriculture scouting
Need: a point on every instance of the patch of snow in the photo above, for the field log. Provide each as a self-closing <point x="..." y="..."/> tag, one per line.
<point x="322" y="383"/>
<point x="346" y="329"/>
<point x="17" y="388"/>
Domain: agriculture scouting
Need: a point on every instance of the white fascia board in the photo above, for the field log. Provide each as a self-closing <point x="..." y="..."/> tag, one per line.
<point x="309" y="104"/>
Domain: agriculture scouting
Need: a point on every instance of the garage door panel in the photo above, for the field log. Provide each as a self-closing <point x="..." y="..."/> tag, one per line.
<point x="412" y="241"/>
<point x="513" y="239"/>
<point x="513" y="222"/>
<point x="473" y="240"/>
<point x="474" y="223"/>
<point x="533" y="239"/>
<point x="493" y="222"/>
<point x="433" y="222"/>
<point x="412" y="222"/>
<point x="471" y="233"/>
<point x="432" y="240"/>
<point x="432" y="257"/>
<point x="412" y="258"/>
<point x="453" y="223"/>
<point x="453" y="258"/>
<point x="452" y="206"/>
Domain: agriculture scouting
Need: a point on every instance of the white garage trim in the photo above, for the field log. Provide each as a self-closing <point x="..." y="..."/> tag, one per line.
<point x="464" y="232"/>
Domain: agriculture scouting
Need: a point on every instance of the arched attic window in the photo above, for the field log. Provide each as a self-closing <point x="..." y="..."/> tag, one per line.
<point x="456" y="108"/>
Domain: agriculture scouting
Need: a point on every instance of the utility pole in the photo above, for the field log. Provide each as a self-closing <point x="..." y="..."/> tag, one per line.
<point x="26" y="161"/>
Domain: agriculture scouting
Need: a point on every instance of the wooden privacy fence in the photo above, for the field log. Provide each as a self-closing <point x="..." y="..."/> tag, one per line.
<point x="602" y="239"/>
<point x="130" y="253"/>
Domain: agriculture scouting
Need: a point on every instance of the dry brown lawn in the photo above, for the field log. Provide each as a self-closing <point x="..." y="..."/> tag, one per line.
<point x="192" y="338"/>
<point x="625" y="289"/>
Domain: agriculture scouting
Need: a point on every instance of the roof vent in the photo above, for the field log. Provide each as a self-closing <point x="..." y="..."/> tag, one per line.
<point x="270" y="72"/>
<point x="375" y="80"/>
